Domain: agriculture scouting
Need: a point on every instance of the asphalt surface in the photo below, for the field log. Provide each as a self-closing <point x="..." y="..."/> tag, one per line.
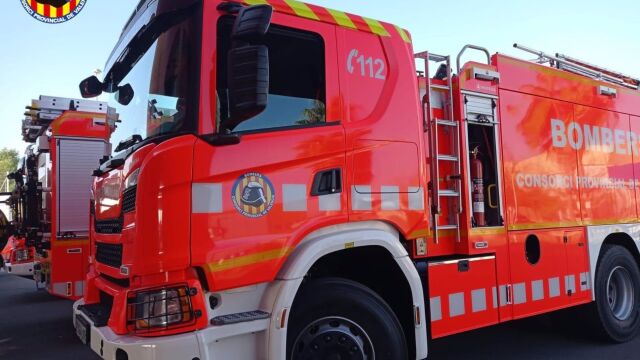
<point x="35" y="325"/>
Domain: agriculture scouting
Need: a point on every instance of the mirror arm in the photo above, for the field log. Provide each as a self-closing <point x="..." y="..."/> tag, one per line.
<point x="230" y="7"/>
<point x="222" y="139"/>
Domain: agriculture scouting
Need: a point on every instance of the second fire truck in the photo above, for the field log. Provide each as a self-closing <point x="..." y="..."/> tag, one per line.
<point x="67" y="138"/>
<point x="288" y="188"/>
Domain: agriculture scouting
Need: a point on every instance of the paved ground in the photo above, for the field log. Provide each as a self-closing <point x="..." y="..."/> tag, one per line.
<point x="35" y="325"/>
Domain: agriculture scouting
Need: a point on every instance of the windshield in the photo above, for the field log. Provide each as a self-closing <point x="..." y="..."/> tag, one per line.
<point x="163" y="85"/>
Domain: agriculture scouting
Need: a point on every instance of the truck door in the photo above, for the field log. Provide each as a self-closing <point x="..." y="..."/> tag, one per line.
<point x="252" y="202"/>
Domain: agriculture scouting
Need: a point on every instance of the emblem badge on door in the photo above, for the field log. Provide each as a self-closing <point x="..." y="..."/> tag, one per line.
<point x="253" y="195"/>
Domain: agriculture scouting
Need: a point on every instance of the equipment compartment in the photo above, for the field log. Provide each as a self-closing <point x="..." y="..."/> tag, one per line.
<point x="467" y="300"/>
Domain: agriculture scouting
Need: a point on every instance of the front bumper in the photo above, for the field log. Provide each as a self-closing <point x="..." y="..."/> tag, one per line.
<point x="106" y="344"/>
<point x="243" y="341"/>
<point x="23" y="269"/>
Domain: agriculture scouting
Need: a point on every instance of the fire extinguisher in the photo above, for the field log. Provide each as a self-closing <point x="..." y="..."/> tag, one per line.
<point x="477" y="193"/>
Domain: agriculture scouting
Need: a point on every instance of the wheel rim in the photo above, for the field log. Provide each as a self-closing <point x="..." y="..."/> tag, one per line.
<point x="620" y="293"/>
<point x="333" y="338"/>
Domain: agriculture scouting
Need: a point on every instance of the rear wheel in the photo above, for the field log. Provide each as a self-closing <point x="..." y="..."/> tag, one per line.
<point x="617" y="288"/>
<point x="338" y="319"/>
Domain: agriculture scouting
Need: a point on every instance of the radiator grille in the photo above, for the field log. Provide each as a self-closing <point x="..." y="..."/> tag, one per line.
<point x="129" y="200"/>
<point x="108" y="226"/>
<point x="109" y="254"/>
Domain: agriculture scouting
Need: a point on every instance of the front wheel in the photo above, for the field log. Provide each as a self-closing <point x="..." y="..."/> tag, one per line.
<point x="339" y="319"/>
<point x="617" y="287"/>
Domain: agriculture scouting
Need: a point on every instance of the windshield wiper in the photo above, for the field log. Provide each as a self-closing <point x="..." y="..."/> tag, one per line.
<point x="128" y="142"/>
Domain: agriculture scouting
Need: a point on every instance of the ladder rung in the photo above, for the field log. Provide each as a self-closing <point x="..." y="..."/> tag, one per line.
<point x="446" y="227"/>
<point x="448" y="193"/>
<point x="437" y="58"/>
<point x="447" y="122"/>
<point x="439" y="87"/>
<point x="432" y="57"/>
<point x="447" y="157"/>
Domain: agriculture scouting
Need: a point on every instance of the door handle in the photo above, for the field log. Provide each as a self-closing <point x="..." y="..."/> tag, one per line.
<point x="327" y="182"/>
<point x="492" y="205"/>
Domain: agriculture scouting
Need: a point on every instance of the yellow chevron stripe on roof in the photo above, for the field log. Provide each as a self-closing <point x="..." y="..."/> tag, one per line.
<point x="376" y="27"/>
<point x="403" y="33"/>
<point x="301" y="9"/>
<point x="256" y="2"/>
<point x="342" y="18"/>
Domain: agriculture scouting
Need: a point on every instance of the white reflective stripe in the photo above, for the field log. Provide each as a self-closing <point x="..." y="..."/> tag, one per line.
<point x="416" y="198"/>
<point x="478" y="300"/>
<point x="60" y="289"/>
<point x="456" y="304"/>
<point x="206" y="198"/>
<point x="361" y="201"/>
<point x="331" y="202"/>
<point x="435" y="306"/>
<point x="390" y="197"/>
<point x="519" y="293"/>
<point x="584" y="281"/>
<point x="79" y="288"/>
<point x="554" y="287"/>
<point x="494" y="292"/>
<point x="537" y="290"/>
<point x="294" y="197"/>
<point x="503" y="295"/>
<point x="570" y="283"/>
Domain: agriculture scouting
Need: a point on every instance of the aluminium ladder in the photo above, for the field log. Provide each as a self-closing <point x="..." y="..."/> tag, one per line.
<point x="44" y="110"/>
<point x="576" y="66"/>
<point x="451" y="195"/>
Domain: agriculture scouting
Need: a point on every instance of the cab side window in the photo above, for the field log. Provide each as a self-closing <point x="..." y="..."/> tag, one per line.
<point x="297" y="90"/>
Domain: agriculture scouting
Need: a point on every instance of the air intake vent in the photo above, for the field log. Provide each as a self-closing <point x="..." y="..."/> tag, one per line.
<point x="109" y="254"/>
<point x="129" y="200"/>
<point x="109" y="226"/>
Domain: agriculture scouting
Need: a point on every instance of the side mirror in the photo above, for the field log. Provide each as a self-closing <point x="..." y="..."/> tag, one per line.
<point x="248" y="65"/>
<point x="252" y="23"/>
<point x="248" y="81"/>
<point x="124" y="95"/>
<point x="91" y="87"/>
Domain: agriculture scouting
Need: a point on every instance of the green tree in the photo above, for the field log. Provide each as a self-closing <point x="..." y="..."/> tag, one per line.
<point x="314" y="115"/>
<point x="8" y="163"/>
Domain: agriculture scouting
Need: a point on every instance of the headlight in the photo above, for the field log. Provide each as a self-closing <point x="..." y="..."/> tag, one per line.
<point x="132" y="179"/>
<point x="159" y="309"/>
<point x="22" y="255"/>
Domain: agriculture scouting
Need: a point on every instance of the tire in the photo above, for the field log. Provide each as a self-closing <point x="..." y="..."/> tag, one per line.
<point x="617" y="288"/>
<point x="334" y="318"/>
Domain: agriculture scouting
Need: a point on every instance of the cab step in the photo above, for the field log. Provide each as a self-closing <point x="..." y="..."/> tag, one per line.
<point x="239" y="317"/>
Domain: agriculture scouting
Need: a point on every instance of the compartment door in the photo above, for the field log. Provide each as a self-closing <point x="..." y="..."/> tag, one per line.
<point x="538" y="270"/>
<point x="462" y="295"/>
<point x="578" y="278"/>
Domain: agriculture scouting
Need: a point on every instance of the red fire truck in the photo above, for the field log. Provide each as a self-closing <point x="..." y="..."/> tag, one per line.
<point x="288" y="188"/>
<point x="18" y="256"/>
<point x="67" y="138"/>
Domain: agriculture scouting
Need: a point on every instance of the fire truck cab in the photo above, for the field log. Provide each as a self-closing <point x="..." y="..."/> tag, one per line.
<point x="285" y="186"/>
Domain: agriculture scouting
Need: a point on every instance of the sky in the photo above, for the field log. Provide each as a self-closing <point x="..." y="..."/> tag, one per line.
<point x="50" y="59"/>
